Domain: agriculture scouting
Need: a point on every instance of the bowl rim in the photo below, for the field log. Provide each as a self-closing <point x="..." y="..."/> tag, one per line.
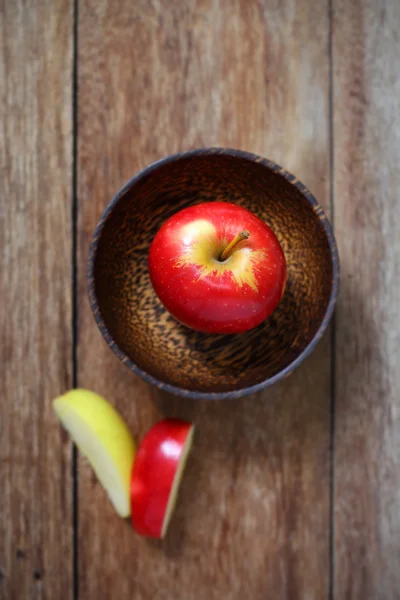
<point x="278" y="170"/>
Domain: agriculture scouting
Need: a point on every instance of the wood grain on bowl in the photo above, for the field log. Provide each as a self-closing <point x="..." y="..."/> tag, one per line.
<point x="151" y="341"/>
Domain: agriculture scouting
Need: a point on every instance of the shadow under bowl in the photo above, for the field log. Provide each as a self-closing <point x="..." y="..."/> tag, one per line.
<point x="148" y="339"/>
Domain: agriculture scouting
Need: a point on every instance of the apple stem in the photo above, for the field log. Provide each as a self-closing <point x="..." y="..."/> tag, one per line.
<point x="243" y="235"/>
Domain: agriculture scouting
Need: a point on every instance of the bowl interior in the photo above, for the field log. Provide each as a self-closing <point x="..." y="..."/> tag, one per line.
<point x="154" y="340"/>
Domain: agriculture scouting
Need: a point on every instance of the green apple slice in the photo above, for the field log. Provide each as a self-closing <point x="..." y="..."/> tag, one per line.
<point x="103" y="438"/>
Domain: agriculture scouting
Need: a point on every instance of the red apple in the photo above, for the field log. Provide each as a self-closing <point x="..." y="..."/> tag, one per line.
<point x="217" y="268"/>
<point x="156" y="474"/>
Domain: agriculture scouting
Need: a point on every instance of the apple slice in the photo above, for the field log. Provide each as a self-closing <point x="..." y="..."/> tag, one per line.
<point x="104" y="438"/>
<point x="156" y="474"/>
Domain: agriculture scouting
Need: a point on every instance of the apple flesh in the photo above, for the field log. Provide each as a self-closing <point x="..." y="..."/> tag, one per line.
<point x="217" y="268"/>
<point x="156" y="475"/>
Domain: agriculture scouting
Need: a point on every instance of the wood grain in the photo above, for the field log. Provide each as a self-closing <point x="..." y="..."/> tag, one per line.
<point x="35" y="291"/>
<point x="253" y="516"/>
<point x="367" y="181"/>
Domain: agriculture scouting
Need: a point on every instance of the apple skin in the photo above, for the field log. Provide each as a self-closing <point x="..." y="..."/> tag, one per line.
<point x="156" y="464"/>
<point x="204" y="293"/>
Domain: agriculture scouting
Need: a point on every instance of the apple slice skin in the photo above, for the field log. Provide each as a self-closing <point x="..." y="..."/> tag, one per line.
<point x="153" y="474"/>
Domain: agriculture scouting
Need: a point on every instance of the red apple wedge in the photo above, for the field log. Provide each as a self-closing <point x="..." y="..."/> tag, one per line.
<point x="156" y="475"/>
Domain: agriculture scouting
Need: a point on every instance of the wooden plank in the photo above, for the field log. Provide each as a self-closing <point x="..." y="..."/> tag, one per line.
<point x="35" y="291"/>
<point x="367" y="180"/>
<point x="253" y="515"/>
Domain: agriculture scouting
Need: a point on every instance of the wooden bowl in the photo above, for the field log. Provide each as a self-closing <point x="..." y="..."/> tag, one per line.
<point x="150" y="341"/>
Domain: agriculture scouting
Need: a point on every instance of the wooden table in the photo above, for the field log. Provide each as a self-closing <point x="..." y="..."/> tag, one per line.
<point x="291" y="494"/>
